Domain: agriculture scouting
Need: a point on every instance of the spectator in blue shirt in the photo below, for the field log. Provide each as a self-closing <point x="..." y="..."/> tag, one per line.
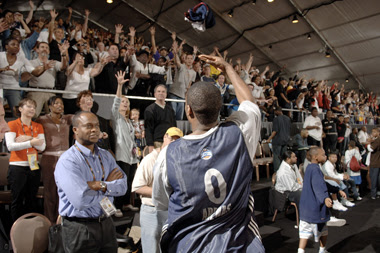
<point x="86" y="174"/>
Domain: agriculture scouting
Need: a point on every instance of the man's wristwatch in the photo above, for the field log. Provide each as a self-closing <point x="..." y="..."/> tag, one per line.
<point x="103" y="186"/>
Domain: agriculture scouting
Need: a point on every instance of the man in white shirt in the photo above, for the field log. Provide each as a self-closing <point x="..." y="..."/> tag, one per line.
<point x="183" y="78"/>
<point x="288" y="178"/>
<point x="47" y="79"/>
<point x="363" y="136"/>
<point x="314" y="125"/>
<point x="348" y="131"/>
<point x="151" y="219"/>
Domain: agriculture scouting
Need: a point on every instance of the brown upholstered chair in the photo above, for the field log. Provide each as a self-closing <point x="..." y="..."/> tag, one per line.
<point x="30" y="233"/>
<point x="258" y="160"/>
<point x="5" y="195"/>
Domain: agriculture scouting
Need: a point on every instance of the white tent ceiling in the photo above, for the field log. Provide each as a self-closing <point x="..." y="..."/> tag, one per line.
<point x="349" y="28"/>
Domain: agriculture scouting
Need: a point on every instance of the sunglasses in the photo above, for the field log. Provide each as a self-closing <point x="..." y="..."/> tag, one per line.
<point x="81" y="45"/>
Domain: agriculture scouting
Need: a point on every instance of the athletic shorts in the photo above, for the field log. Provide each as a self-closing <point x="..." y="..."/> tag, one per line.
<point x="307" y="230"/>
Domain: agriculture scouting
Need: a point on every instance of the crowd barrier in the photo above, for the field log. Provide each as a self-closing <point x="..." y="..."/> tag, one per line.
<point x="106" y="101"/>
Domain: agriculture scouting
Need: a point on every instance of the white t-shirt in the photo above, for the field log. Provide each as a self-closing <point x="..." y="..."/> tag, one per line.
<point x="47" y="79"/>
<point x="328" y="169"/>
<point x="314" y="121"/>
<point x="347" y="159"/>
<point x="362" y="136"/>
<point x="9" y="79"/>
<point x="144" y="175"/>
<point x="77" y="82"/>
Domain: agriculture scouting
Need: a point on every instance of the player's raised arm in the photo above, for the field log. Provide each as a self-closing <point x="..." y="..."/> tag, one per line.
<point x="241" y="89"/>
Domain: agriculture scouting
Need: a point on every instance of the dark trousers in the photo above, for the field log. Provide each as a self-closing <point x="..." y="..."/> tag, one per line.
<point x="70" y="105"/>
<point x="374" y="175"/>
<point x="295" y="197"/>
<point x="91" y="236"/>
<point x="278" y="151"/>
<point x="329" y="143"/>
<point x="313" y="142"/>
<point x="24" y="186"/>
<point x="51" y="199"/>
<point x="129" y="170"/>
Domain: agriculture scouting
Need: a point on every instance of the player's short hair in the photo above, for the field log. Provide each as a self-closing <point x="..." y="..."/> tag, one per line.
<point x="205" y="101"/>
<point x="314" y="151"/>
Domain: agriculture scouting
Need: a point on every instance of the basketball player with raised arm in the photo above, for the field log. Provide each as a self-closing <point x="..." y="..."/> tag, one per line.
<point x="203" y="179"/>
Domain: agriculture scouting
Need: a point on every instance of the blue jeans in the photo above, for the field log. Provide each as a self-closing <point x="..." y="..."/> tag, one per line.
<point x="178" y="107"/>
<point x="353" y="187"/>
<point x="374" y="175"/>
<point x="13" y="97"/>
<point x="151" y="222"/>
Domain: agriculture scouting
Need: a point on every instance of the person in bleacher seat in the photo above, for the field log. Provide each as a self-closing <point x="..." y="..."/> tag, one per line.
<point x="288" y="178"/>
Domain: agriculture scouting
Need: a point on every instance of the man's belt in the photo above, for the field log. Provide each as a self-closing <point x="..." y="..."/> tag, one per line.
<point x="96" y="219"/>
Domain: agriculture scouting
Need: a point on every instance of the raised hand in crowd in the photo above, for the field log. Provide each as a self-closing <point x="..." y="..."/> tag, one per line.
<point x="3" y="25"/>
<point x="64" y="46"/>
<point x="53" y="14"/>
<point x="174" y="36"/>
<point x="120" y="78"/>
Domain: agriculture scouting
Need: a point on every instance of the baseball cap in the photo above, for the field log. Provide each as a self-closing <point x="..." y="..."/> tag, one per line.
<point x="163" y="48"/>
<point x="174" y="131"/>
<point x="142" y="52"/>
<point x="146" y="48"/>
<point x="346" y="116"/>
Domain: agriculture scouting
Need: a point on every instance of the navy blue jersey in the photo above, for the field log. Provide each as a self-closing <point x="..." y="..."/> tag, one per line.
<point x="211" y="208"/>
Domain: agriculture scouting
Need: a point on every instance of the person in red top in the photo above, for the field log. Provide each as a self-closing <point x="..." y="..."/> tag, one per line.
<point x="24" y="140"/>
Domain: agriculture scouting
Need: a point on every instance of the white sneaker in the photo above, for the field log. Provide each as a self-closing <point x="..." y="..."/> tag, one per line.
<point x="359" y="198"/>
<point x="130" y="207"/>
<point x="338" y="206"/>
<point x="334" y="222"/>
<point x="347" y="203"/>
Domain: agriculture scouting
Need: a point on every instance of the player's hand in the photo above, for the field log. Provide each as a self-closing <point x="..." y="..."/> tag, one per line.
<point x="214" y="60"/>
<point x="115" y="175"/>
<point x="328" y="202"/>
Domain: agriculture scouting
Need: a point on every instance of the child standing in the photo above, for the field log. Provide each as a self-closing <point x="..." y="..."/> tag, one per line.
<point x="314" y="203"/>
<point x="353" y="151"/>
<point x="138" y="125"/>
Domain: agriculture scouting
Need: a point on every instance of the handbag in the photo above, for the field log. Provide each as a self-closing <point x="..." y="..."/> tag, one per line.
<point x="55" y="239"/>
<point x="354" y="164"/>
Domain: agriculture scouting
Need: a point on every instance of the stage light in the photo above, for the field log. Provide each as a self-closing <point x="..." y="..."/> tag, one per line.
<point x="254" y="2"/>
<point x="309" y="37"/>
<point x="295" y="19"/>
<point x="270" y="46"/>
<point x="327" y="54"/>
<point x="109" y="1"/>
<point x="270" y="1"/>
<point x="231" y="13"/>
<point x="346" y="80"/>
